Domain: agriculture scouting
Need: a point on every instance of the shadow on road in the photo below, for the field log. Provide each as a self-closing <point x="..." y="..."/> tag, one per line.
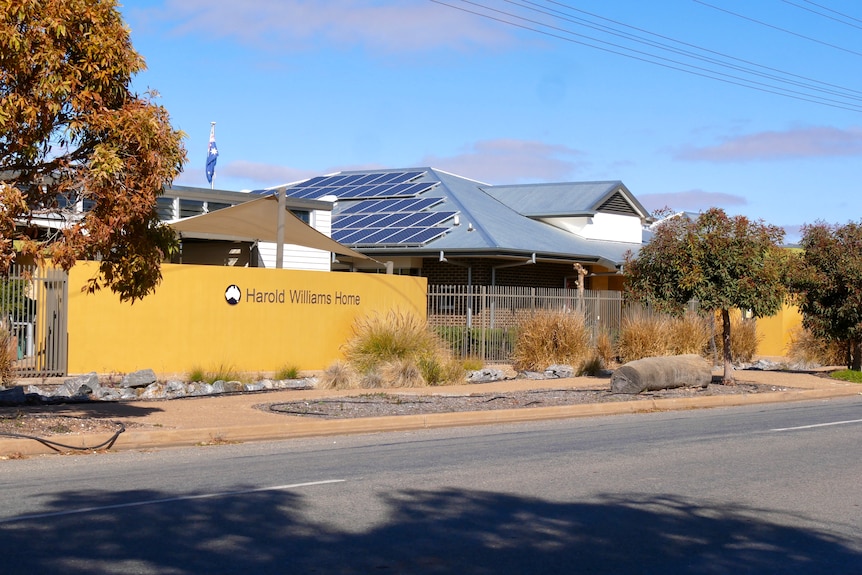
<point x="449" y="531"/>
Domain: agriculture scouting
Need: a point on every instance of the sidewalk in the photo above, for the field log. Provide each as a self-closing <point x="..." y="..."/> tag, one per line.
<point x="234" y="419"/>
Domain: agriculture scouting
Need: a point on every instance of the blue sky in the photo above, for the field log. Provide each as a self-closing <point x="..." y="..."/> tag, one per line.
<point x="525" y="91"/>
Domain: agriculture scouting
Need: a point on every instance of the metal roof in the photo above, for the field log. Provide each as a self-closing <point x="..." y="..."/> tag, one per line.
<point x="478" y="219"/>
<point x="568" y="199"/>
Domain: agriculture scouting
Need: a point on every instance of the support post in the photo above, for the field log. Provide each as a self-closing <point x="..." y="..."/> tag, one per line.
<point x="279" y="246"/>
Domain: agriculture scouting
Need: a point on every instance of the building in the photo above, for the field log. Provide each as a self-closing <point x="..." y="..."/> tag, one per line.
<point x="221" y="247"/>
<point x="453" y="230"/>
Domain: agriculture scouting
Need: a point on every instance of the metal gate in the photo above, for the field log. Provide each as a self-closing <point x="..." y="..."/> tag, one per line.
<point x="34" y="311"/>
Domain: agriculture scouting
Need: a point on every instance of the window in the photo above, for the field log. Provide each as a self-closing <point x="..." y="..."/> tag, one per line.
<point x="189" y="208"/>
<point x="165" y="208"/>
<point x="213" y="206"/>
<point x="303" y="215"/>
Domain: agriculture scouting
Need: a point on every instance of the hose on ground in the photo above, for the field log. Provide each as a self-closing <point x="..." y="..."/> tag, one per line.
<point x="56" y="446"/>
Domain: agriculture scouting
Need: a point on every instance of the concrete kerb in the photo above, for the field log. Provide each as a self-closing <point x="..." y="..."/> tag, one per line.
<point x="242" y="430"/>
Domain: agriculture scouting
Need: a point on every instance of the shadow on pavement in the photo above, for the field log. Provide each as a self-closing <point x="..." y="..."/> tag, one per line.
<point x="97" y="409"/>
<point x="448" y="531"/>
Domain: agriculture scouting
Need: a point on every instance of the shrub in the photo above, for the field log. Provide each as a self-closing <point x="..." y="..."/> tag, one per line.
<point x="688" y="334"/>
<point x="339" y="375"/>
<point x="372" y="380"/>
<point x="605" y="348"/>
<point x="401" y="351"/>
<point x="547" y="338"/>
<point x="379" y="339"/>
<point x="472" y="364"/>
<point x="806" y="348"/>
<point x="592" y="366"/>
<point x="642" y="335"/>
<point x="743" y="339"/>
<point x="441" y="370"/>
<point x="222" y="372"/>
<point x="403" y="373"/>
<point x="8" y="355"/>
<point x="287" y="372"/>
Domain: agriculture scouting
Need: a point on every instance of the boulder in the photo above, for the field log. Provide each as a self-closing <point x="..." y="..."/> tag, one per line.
<point x="654" y="373"/>
<point x="222" y="386"/>
<point x="559" y="371"/>
<point x="83" y="385"/>
<point x="140" y="378"/>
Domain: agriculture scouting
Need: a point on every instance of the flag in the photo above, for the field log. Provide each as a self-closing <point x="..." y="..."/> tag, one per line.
<point x="212" y="155"/>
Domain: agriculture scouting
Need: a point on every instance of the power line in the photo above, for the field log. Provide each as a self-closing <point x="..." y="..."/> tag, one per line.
<point x="706" y="50"/>
<point x="564" y="34"/>
<point x="828" y="10"/>
<point x="809" y="83"/>
<point x="840" y="21"/>
<point x="785" y="30"/>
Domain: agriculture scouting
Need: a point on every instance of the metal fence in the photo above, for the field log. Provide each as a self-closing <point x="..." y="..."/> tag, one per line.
<point x="482" y="322"/>
<point x="33" y="311"/>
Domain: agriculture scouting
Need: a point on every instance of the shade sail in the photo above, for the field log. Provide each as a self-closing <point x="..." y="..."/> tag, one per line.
<point x="258" y="220"/>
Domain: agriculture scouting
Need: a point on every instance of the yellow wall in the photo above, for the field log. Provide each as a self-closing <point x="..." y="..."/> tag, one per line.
<point x="775" y="331"/>
<point x="188" y="323"/>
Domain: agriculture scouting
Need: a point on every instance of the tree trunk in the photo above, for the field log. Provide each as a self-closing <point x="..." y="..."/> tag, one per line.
<point x="727" y="378"/>
<point x="856" y="354"/>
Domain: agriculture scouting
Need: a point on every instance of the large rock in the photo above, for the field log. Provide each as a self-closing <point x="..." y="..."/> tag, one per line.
<point x="82" y="386"/>
<point x="140" y="378"/>
<point x="654" y="373"/>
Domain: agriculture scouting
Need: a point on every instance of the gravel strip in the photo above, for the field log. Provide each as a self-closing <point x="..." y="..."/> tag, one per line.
<point x="379" y="404"/>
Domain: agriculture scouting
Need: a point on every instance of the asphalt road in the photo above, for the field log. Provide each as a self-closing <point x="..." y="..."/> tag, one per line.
<point x="761" y="489"/>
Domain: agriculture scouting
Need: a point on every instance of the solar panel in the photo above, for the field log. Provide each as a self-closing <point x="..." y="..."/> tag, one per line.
<point x="424" y="235"/>
<point x="367" y="179"/>
<point x="375" y="236"/>
<point x="346" y="222"/>
<point x="364" y="206"/>
<point x="406" y="177"/>
<point x="351" y="179"/>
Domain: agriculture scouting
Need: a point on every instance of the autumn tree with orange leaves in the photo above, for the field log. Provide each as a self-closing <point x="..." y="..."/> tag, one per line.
<point x="72" y="132"/>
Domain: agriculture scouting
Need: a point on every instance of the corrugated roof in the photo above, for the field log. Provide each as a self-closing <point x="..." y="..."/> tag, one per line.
<point x="568" y="199"/>
<point x="497" y="220"/>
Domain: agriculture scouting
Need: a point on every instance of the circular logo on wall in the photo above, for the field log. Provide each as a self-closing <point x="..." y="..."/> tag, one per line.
<point x="232" y="294"/>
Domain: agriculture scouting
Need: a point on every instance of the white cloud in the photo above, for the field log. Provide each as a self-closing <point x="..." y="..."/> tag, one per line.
<point x="287" y="25"/>
<point x="509" y="161"/>
<point x="813" y="142"/>
<point x="690" y="200"/>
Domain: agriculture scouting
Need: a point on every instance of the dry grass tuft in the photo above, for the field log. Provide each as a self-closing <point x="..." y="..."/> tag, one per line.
<point x="604" y="348"/>
<point x="8" y="354"/>
<point x="403" y="373"/>
<point x="688" y="334"/>
<point x="549" y="338"/>
<point x="642" y="335"/>
<point x="743" y="340"/>
<point x="394" y="350"/>
<point x="806" y="348"/>
<point x="339" y="375"/>
<point x="592" y="367"/>
<point x="652" y="335"/>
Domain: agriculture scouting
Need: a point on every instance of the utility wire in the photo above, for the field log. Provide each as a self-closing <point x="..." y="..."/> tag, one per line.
<point x="809" y="84"/>
<point x="840" y="21"/>
<point x="651" y="58"/>
<point x="828" y="10"/>
<point x="785" y="30"/>
<point x="706" y="50"/>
